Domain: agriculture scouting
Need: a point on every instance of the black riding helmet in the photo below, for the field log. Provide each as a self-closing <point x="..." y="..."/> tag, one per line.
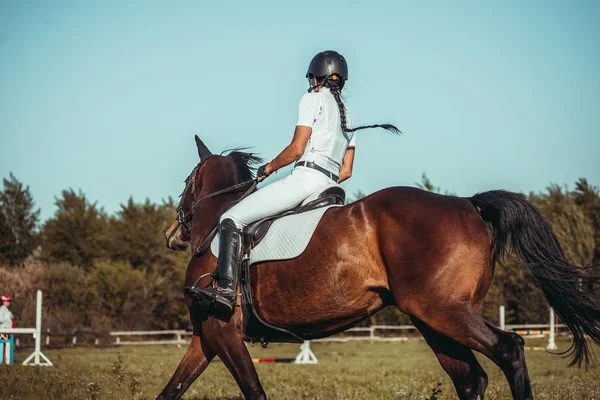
<point x="325" y="65"/>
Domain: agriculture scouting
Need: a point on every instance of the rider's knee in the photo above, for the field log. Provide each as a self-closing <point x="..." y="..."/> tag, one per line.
<point x="228" y="215"/>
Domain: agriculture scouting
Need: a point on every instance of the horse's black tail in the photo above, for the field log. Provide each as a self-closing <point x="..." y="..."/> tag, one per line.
<point x="519" y="229"/>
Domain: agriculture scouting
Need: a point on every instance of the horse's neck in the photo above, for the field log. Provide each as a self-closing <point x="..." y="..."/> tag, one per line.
<point x="211" y="213"/>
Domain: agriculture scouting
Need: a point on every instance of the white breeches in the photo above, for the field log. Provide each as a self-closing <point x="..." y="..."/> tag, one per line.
<point x="277" y="197"/>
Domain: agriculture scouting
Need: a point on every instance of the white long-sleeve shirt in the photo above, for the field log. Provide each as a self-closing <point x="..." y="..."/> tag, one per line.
<point x="5" y="318"/>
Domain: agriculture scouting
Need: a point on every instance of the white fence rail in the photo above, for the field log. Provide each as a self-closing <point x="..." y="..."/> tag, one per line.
<point x="380" y="333"/>
<point x="177" y="333"/>
<point x="376" y="333"/>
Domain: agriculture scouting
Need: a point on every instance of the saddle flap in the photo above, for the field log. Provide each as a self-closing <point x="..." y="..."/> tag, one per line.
<point x="255" y="232"/>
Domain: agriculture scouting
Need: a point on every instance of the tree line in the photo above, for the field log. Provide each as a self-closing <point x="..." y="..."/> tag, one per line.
<point x="105" y="271"/>
<point x="97" y="271"/>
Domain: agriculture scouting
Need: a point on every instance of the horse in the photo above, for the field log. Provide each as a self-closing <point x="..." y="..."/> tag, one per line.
<point x="431" y="255"/>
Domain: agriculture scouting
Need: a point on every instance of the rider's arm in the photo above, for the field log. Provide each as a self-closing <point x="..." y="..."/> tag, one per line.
<point x="293" y="151"/>
<point x="347" y="163"/>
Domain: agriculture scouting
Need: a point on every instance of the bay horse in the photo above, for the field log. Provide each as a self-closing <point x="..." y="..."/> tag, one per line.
<point x="431" y="255"/>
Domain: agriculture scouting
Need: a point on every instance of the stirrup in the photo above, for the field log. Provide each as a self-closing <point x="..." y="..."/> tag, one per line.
<point x="200" y="298"/>
<point x="211" y="302"/>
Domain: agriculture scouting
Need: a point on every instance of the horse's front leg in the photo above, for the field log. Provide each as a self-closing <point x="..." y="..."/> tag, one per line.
<point x="194" y="362"/>
<point x="226" y="338"/>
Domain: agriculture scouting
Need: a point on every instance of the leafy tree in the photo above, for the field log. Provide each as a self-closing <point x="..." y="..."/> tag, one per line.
<point x="127" y="297"/>
<point x="426" y="184"/>
<point x="18" y="222"/>
<point x="588" y="198"/>
<point x="359" y="194"/>
<point x="573" y="228"/>
<point x="517" y="290"/>
<point x="7" y="240"/>
<point x="78" y="232"/>
<point x="70" y="300"/>
<point x="137" y="234"/>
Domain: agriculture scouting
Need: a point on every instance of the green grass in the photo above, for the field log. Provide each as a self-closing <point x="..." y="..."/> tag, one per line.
<point x="356" y="370"/>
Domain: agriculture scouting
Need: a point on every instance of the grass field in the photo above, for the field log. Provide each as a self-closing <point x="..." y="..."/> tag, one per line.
<point x="357" y="370"/>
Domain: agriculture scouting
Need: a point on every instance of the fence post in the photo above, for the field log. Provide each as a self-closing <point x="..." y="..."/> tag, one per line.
<point x="372" y="332"/>
<point x="502" y="324"/>
<point x="551" y="342"/>
<point x="74" y="341"/>
<point x="48" y="337"/>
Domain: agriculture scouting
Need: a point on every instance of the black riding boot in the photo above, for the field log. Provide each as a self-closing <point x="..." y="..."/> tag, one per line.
<point x="221" y="300"/>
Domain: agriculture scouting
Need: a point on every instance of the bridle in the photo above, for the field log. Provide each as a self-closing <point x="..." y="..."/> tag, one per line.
<point x="185" y="219"/>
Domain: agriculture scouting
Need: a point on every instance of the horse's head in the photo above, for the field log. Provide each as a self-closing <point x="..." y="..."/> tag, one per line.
<point x="198" y="212"/>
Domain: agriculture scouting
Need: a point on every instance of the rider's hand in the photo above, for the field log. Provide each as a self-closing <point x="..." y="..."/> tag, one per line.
<point x="261" y="178"/>
<point x="263" y="172"/>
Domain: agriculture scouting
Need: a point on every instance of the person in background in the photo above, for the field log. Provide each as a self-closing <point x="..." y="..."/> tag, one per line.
<point x="6" y="322"/>
<point x="6" y="317"/>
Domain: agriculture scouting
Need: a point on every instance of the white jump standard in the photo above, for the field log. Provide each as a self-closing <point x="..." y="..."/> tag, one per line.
<point x="37" y="356"/>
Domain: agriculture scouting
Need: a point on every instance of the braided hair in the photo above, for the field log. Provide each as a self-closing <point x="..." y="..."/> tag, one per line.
<point x="333" y="84"/>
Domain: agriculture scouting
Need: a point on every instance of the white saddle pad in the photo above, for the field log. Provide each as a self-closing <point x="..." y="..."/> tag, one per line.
<point x="287" y="237"/>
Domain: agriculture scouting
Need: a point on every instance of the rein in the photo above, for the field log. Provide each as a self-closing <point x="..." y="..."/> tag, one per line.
<point x="186" y="219"/>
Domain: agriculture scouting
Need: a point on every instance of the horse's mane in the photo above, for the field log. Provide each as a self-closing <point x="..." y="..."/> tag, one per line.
<point x="246" y="162"/>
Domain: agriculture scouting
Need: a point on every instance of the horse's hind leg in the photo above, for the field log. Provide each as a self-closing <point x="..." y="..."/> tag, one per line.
<point x="459" y="362"/>
<point x="512" y="359"/>
<point x="461" y="323"/>
<point x="194" y="362"/>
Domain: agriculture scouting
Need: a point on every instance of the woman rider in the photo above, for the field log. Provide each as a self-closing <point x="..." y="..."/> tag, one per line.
<point x="323" y="145"/>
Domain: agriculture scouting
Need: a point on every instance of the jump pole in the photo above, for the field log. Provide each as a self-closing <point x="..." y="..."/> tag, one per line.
<point x="502" y="325"/>
<point x="37" y="354"/>
<point x="306" y="356"/>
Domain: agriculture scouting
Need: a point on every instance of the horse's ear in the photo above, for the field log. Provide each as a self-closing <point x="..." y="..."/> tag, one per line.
<point x="203" y="151"/>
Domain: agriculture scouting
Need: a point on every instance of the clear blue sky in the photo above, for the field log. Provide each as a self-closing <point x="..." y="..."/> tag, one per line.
<point x="107" y="95"/>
